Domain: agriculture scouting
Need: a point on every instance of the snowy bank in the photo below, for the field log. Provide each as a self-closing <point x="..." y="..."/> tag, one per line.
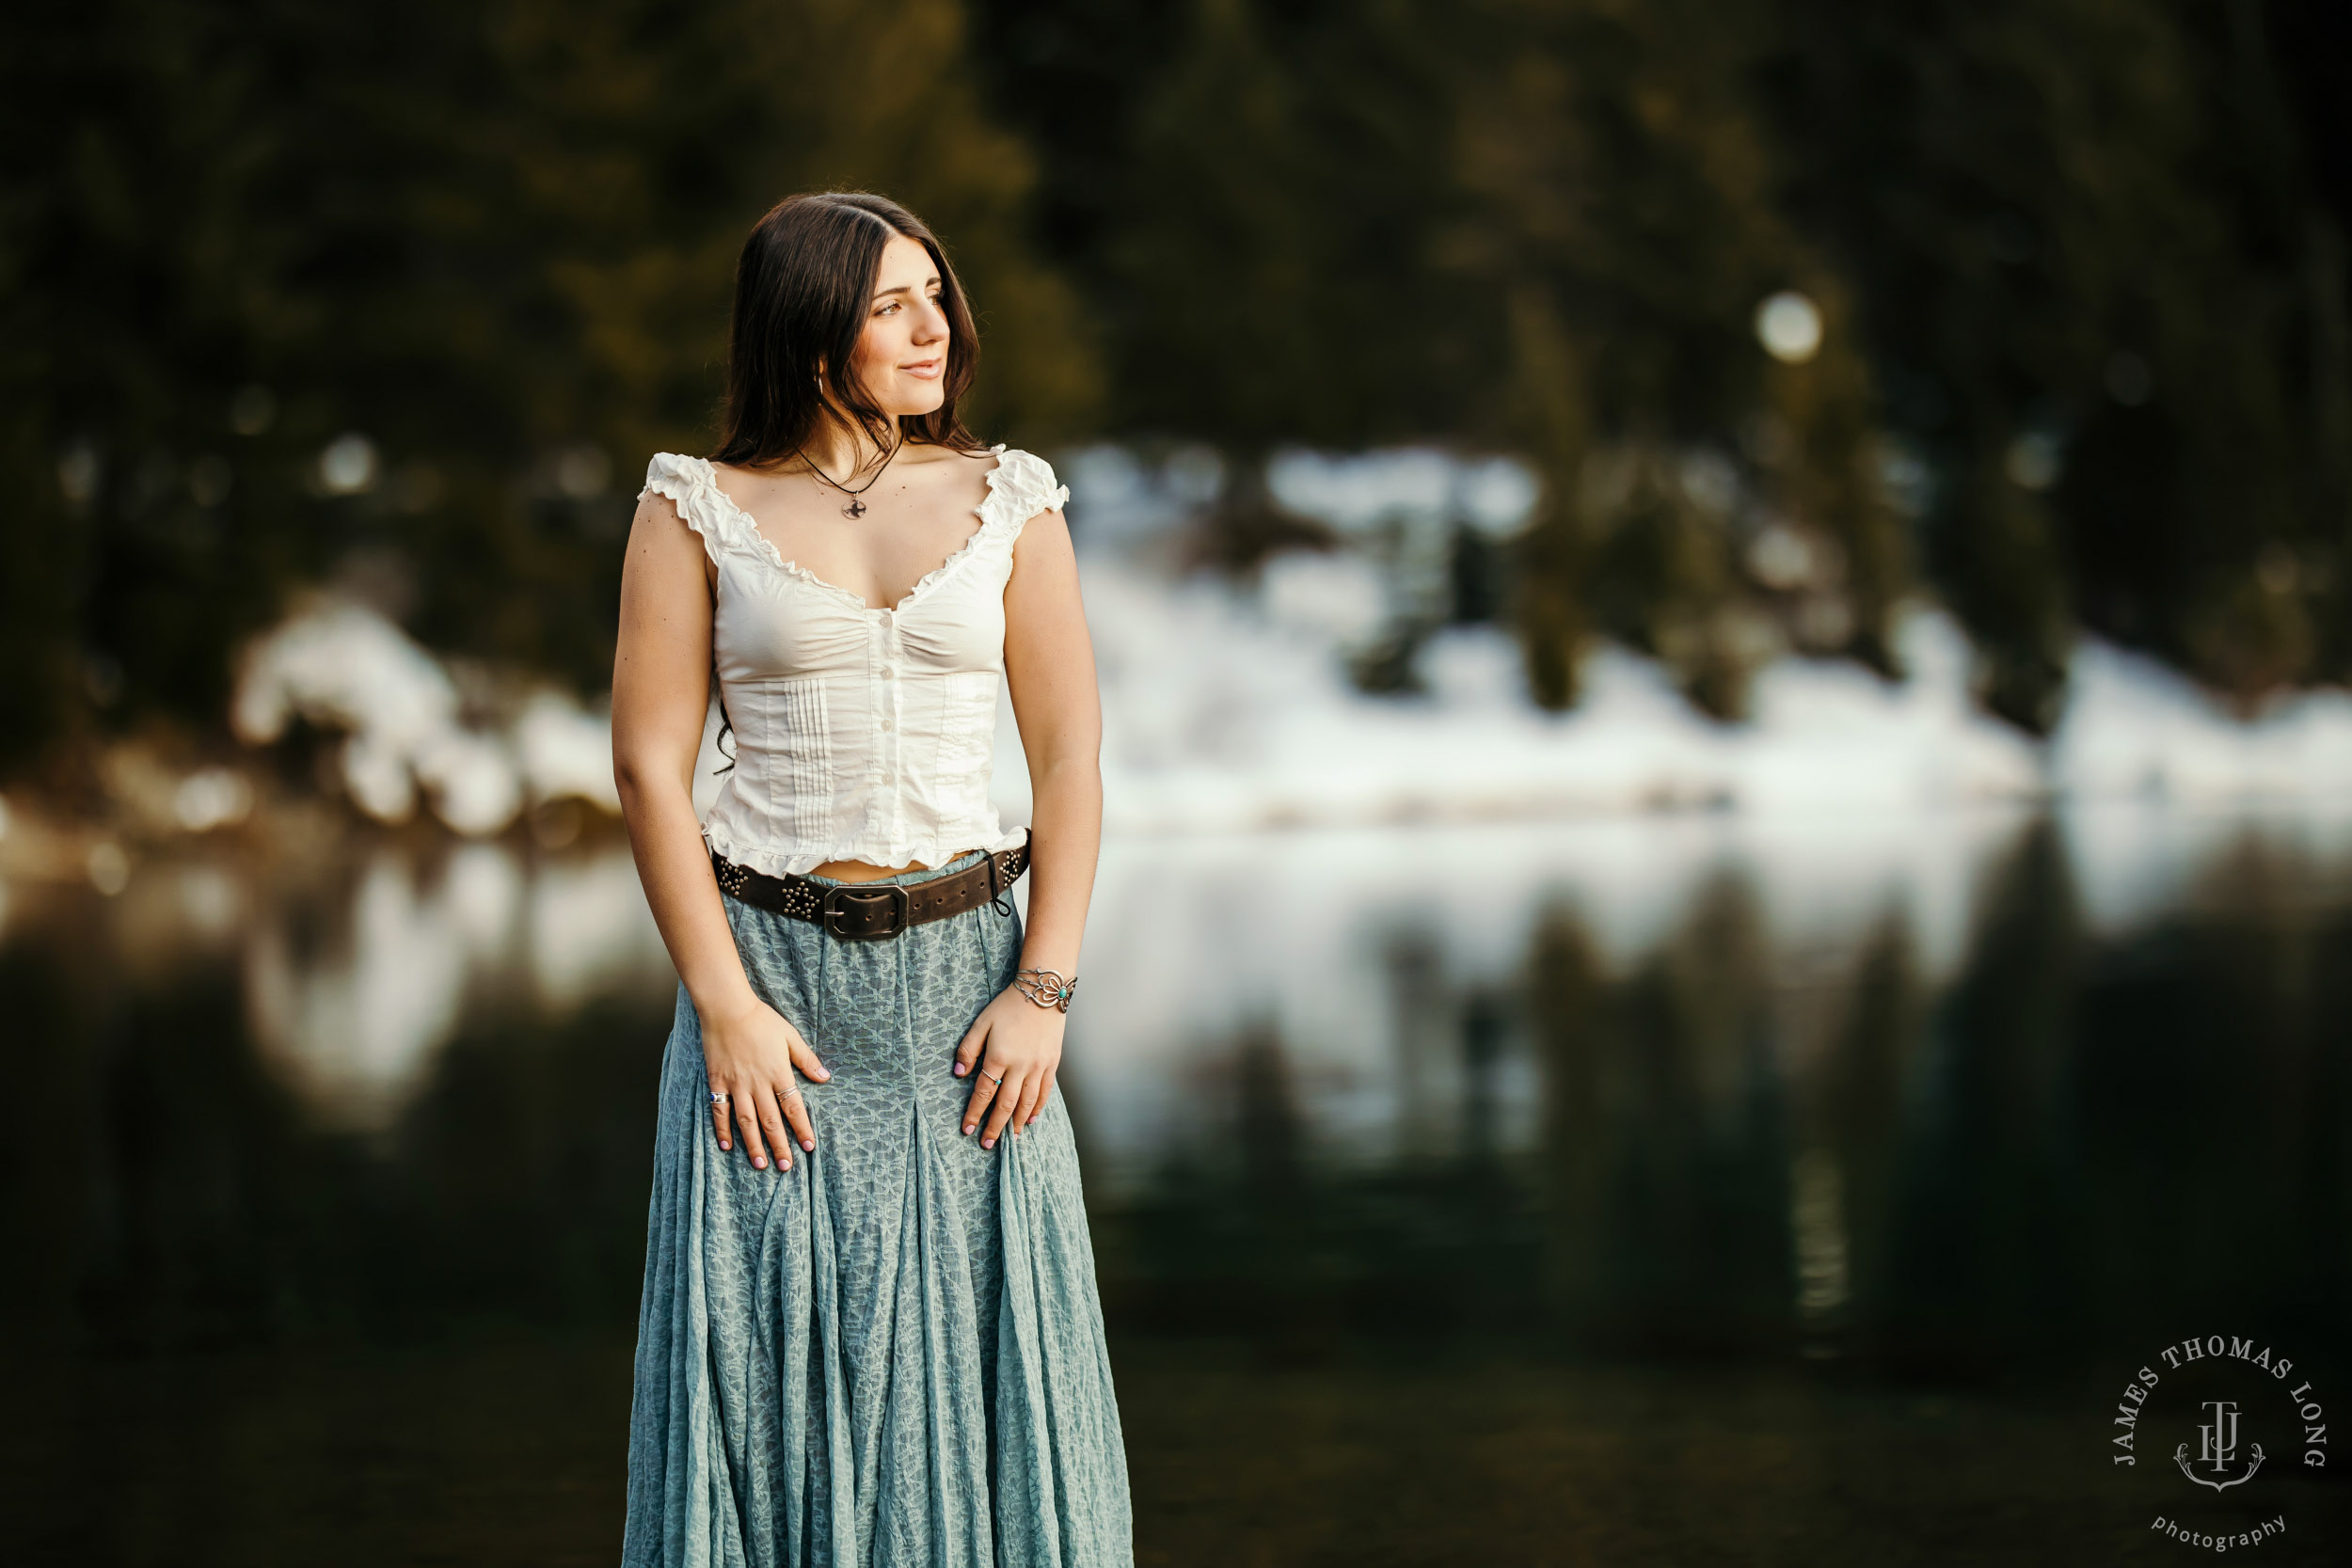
<point x="1228" y="708"/>
<point x="343" y="667"/>
<point x="1225" y="710"/>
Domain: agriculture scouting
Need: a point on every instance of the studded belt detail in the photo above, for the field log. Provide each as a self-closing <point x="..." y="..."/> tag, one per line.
<point x="861" y="911"/>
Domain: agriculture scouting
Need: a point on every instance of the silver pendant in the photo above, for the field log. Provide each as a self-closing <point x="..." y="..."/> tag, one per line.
<point x="855" y="509"/>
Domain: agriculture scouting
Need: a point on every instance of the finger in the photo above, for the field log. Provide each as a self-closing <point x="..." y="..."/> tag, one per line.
<point x="983" y="1091"/>
<point x="796" y="1113"/>
<point x="772" y="1123"/>
<point x="807" y="1060"/>
<point x="747" y="1120"/>
<point x="1026" y="1110"/>
<point x="1007" y="1096"/>
<point x="1032" y="1094"/>
<point x="1044" y="1093"/>
<point x="969" y="1052"/>
<point x="719" y="1111"/>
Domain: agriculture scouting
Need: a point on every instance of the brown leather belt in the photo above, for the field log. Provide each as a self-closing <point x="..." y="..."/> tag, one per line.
<point x="860" y="912"/>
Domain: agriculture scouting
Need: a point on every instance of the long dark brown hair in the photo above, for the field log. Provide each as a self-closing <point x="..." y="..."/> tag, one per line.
<point x="803" y="288"/>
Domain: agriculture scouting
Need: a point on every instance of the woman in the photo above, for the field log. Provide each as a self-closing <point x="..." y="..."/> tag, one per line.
<point x="870" y="1332"/>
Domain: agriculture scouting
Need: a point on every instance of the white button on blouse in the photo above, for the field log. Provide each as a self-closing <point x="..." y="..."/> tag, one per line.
<point x="837" y="758"/>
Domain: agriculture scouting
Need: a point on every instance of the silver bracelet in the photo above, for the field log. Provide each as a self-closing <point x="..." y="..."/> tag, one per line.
<point x="1048" y="990"/>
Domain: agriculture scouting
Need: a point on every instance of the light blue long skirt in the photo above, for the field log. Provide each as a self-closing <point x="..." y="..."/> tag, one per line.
<point x="890" y="1355"/>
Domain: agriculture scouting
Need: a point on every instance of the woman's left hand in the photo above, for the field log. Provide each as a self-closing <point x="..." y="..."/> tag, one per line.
<point x="1017" y="1047"/>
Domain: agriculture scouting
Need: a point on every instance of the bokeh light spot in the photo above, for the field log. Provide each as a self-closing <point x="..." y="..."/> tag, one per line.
<point x="1789" y="327"/>
<point x="349" y="465"/>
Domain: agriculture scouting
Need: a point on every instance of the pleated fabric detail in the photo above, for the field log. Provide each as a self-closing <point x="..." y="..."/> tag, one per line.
<point x="891" y="1356"/>
<point x="892" y="765"/>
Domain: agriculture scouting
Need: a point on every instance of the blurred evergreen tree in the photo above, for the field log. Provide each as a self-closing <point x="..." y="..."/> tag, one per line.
<point x="2089" y="260"/>
<point x="1626" y="189"/>
<point x="1524" y="223"/>
<point x="1290" y="190"/>
<point x="2080" y="270"/>
<point x="496" y="241"/>
<point x="2080" y="260"/>
<point x="2310" y="40"/>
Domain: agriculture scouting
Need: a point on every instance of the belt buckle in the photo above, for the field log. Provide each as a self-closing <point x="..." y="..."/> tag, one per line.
<point x="832" y="911"/>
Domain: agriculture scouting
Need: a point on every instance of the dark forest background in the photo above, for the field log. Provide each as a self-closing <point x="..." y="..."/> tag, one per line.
<point x="2081" y="266"/>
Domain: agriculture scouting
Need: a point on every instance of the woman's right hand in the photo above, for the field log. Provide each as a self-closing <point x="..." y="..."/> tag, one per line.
<point x="750" y="1054"/>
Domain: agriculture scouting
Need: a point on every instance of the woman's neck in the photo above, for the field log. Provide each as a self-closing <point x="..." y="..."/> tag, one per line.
<point x="844" y="449"/>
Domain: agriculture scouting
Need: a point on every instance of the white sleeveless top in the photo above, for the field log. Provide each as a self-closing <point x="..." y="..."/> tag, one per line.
<point x="860" y="733"/>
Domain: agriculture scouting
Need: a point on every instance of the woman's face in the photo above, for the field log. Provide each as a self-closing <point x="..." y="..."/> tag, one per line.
<point x="902" y="354"/>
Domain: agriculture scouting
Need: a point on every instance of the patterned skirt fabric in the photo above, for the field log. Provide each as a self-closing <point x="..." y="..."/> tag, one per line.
<point x="890" y="1355"/>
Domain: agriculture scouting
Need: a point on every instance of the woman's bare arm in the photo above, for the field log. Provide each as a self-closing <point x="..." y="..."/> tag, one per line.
<point x="660" y="695"/>
<point x="1049" y="668"/>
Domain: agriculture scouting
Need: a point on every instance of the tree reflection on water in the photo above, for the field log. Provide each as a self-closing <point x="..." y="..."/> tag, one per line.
<point x="1680" y="1198"/>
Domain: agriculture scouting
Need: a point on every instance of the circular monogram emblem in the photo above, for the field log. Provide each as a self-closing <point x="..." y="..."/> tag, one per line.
<point x="2219" y="1413"/>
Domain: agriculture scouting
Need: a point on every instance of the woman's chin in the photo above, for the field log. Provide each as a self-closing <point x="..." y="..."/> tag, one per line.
<point x="917" y="397"/>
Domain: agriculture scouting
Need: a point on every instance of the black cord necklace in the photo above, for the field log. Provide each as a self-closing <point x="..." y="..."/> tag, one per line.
<point x="856" y="507"/>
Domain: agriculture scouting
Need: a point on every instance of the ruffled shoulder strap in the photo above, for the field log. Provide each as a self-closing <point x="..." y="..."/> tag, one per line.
<point x="1020" y="486"/>
<point x="692" y="485"/>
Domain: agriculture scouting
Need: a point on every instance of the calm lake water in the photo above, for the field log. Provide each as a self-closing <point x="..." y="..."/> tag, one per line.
<point x="1689" y="1189"/>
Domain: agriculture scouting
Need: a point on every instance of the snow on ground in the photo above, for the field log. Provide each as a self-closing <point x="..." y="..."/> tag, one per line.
<point x="2134" y="727"/>
<point x="341" y="666"/>
<point x="1221" y="716"/>
<point x="1223" y="712"/>
<point x="1228" y="708"/>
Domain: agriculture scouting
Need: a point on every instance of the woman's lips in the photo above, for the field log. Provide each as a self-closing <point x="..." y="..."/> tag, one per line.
<point x="924" y="368"/>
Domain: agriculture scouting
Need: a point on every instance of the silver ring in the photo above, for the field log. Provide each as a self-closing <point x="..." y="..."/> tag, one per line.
<point x="792" y="1093"/>
<point x="718" y="1098"/>
<point x="998" y="1079"/>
